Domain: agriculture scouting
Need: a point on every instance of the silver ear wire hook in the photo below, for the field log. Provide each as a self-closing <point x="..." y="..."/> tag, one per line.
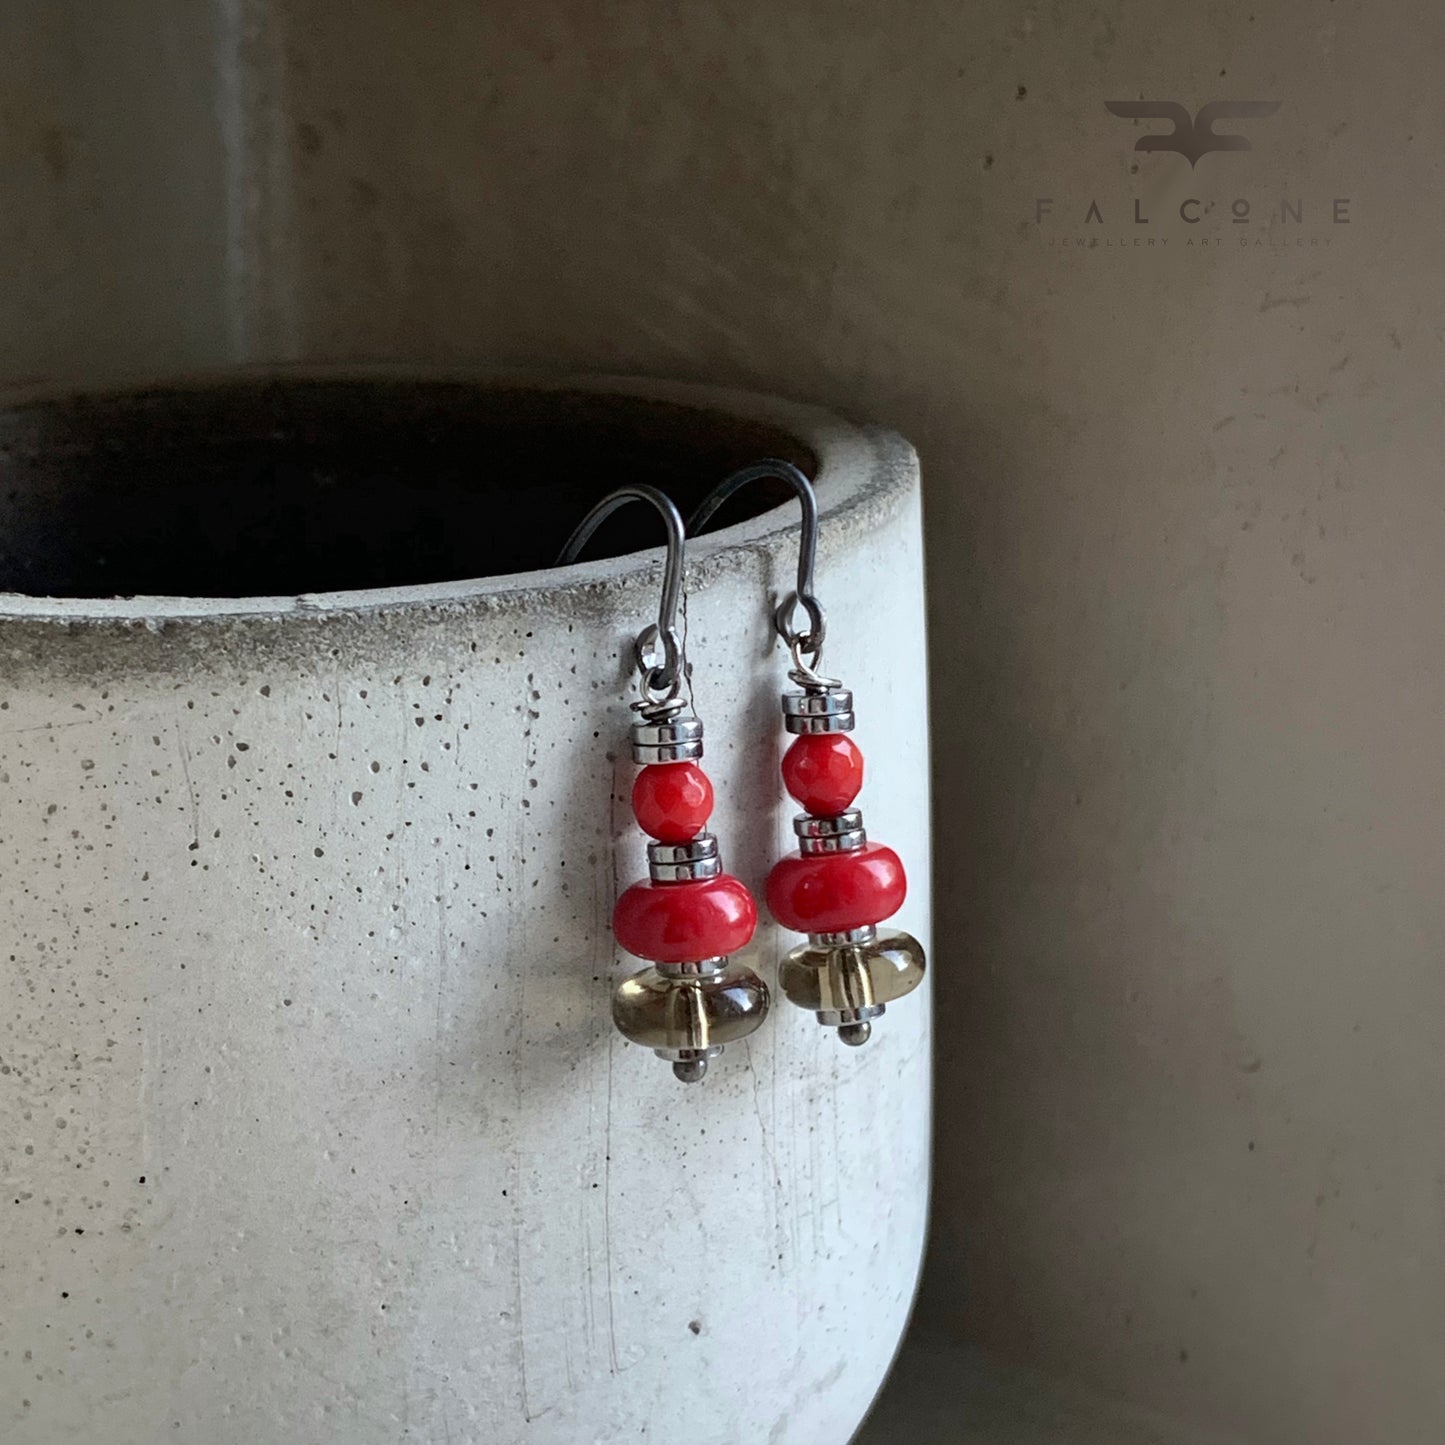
<point x="799" y="642"/>
<point x="657" y="648"/>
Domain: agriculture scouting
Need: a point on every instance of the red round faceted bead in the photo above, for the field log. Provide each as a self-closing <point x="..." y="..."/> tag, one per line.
<point x="685" y="922"/>
<point x="833" y="892"/>
<point x="672" y="801"/>
<point x="824" y="772"/>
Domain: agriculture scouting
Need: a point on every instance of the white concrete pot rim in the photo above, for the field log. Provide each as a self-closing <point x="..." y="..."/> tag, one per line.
<point x="318" y="896"/>
<point x="863" y="474"/>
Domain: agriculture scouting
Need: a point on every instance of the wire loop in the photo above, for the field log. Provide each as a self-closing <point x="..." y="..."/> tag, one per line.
<point x="657" y="649"/>
<point x="803" y="596"/>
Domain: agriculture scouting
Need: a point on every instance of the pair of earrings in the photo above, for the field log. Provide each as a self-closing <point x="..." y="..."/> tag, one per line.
<point x="688" y="916"/>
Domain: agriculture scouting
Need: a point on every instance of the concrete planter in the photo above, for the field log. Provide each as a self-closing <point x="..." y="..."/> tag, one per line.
<point x="313" y="1126"/>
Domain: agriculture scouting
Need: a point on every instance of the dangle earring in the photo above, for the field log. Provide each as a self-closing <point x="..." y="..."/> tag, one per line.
<point x="838" y="886"/>
<point x="688" y="915"/>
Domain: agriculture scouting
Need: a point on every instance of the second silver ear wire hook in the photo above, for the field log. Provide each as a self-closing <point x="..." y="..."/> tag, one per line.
<point x="805" y="671"/>
<point x="658" y="647"/>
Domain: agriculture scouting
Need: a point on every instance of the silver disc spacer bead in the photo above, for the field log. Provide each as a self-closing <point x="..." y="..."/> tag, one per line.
<point x="684" y="862"/>
<point x="698" y="968"/>
<point x="865" y="935"/>
<point x="675" y="740"/>
<point x="842" y="834"/>
<point x="814" y="711"/>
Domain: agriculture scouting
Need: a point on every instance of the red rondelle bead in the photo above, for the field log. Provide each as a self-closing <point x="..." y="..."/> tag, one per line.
<point x="672" y="801"/>
<point x="685" y="922"/>
<point x="824" y="772"/>
<point x="833" y="892"/>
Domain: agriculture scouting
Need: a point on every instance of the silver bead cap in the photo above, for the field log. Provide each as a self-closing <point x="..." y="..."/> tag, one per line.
<point x="684" y="862"/>
<point x="842" y="834"/>
<point x="674" y="740"/>
<point x="813" y="711"/>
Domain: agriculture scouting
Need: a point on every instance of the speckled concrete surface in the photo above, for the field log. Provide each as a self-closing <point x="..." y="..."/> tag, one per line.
<point x="313" y="1126"/>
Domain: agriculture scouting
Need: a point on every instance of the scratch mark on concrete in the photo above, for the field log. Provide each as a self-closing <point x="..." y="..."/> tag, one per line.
<point x="835" y="1096"/>
<point x="55" y="727"/>
<point x="521" y="1305"/>
<point x="607" y="1132"/>
<point x="439" y="1017"/>
<point x="607" y="1217"/>
<point x="190" y="788"/>
<point x="763" y="1129"/>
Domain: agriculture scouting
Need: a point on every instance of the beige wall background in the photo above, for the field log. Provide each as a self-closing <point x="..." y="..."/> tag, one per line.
<point x="1186" y="531"/>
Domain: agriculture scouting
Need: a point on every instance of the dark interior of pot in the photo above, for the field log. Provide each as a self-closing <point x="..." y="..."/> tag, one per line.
<point x="277" y="487"/>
